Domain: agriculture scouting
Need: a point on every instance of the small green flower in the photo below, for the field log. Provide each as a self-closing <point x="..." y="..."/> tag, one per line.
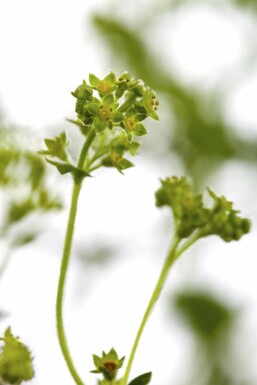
<point x="189" y="213"/>
<point x="105" y="113"/>
<point x="108" y="364"/>
<point x="103" y="86"/>
<point x="132" y="124"/>
<point x="150" y="103"/>
<point x="225" y="221"/>
<point x="83" y="92"/>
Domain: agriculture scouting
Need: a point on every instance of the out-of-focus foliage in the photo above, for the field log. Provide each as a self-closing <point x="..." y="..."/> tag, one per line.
<point x="213" y="324"/>
<point x="24" y="189"/>
<point x="200" y="135"/>
<point x="203" y="140"/>
<point x="204" y="314"/>
<point x="250" y="5"/>
<point x="15" y="360"/>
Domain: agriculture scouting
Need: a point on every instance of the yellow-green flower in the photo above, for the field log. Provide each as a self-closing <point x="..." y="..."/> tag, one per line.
<point x="105" y="85"/>
<point x="132" y="124"/>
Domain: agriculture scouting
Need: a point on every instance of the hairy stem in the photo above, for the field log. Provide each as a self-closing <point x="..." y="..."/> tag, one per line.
<point x="66" y="258"/>
<point x="171" y="257"/>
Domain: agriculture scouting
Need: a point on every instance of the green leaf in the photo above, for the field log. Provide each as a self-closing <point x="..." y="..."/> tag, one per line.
<point x="108" y="100"/>
<point x="83" y="92"/>
<point x="93" y="80"/>
<point x="143" y="379"/>
<point x="100" y="125"/>
<point x="83" y="128"/>
<point x="92" y="108"/>
<point x="65" y="168"/>
<point x="133" y="147"/>
<point x="111" y="78"/>
<point x="56" y="147"/>
<point x="124" y="163"/>
<point x="97" y="360"/>
<point x="15" y="360"/>
<point x="141" y="117"/>
<point x="140" y="130"/>
<point x="117" y="117"/>
<point x="205" y="314"/>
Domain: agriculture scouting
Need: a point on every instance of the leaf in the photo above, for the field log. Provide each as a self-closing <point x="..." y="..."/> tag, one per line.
<point x="83" y="128"/>
<point x="123" y="164"/>
<point x="140" y="130"/>
<point x="93" y="80"/>
<point x="111" y="78"/>
<point x="83" y="92"/>
<point x="108" y="99"/>
<point x="133" y="147"/>
<point x="56" y="147"/>
<point x="92" y="108"/>
<point x="15" y="360"/>
<point x="24" y="239"/>
<point x="65" y="168"/>
<point x="143" y="379"/>
<point x="117" y="117"/>
<point x="100" y="125"/>
<point x="97" y="360"/>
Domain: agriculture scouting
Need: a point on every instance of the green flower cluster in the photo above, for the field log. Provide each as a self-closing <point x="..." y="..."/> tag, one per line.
<point x="15" y="360"/>
<point x="108" y="364"/>
<point x="109" y="112"/>
<point x="191" y="215"/>
<point x="123" y="102"/>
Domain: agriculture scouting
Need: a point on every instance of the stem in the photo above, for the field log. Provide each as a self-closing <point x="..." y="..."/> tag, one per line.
<point x="85" y="148"/>
<point x="66" y="258"/>
<point x="61" y="284"/>
<point x="171" y="257"/>
<point x="189" y="243"/>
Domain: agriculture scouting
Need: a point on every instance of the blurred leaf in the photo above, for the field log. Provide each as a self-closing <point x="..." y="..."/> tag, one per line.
<point x="143" y="379"/>
<point x="201" y="137"/>
<point x="203" y="313"/>
<point x="15" y="360"/>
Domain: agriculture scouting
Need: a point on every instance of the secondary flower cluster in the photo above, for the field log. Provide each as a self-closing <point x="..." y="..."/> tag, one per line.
<point x="190" y="214"/>
<point x="15" y="360"/>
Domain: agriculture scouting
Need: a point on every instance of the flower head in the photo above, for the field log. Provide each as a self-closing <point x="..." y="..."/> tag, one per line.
<point x="108" y="364"/>
<point x="190" y="214"/>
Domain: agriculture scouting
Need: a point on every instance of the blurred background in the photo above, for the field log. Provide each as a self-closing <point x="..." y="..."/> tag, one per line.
<point x="200" y="56"/>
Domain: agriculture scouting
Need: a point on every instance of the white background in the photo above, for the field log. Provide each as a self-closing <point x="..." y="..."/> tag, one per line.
<point x="47" y="48"/>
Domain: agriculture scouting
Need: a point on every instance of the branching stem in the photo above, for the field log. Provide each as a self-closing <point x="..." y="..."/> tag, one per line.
<point x="66" y="258"/>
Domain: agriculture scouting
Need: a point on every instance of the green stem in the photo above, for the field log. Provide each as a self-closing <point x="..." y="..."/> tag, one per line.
<point x="85" y="148"/>
<point x="188" y="243"/>
<point x="61" y="284"/>
<point x="65" y="261"/>
<point x="171" y="257"/>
